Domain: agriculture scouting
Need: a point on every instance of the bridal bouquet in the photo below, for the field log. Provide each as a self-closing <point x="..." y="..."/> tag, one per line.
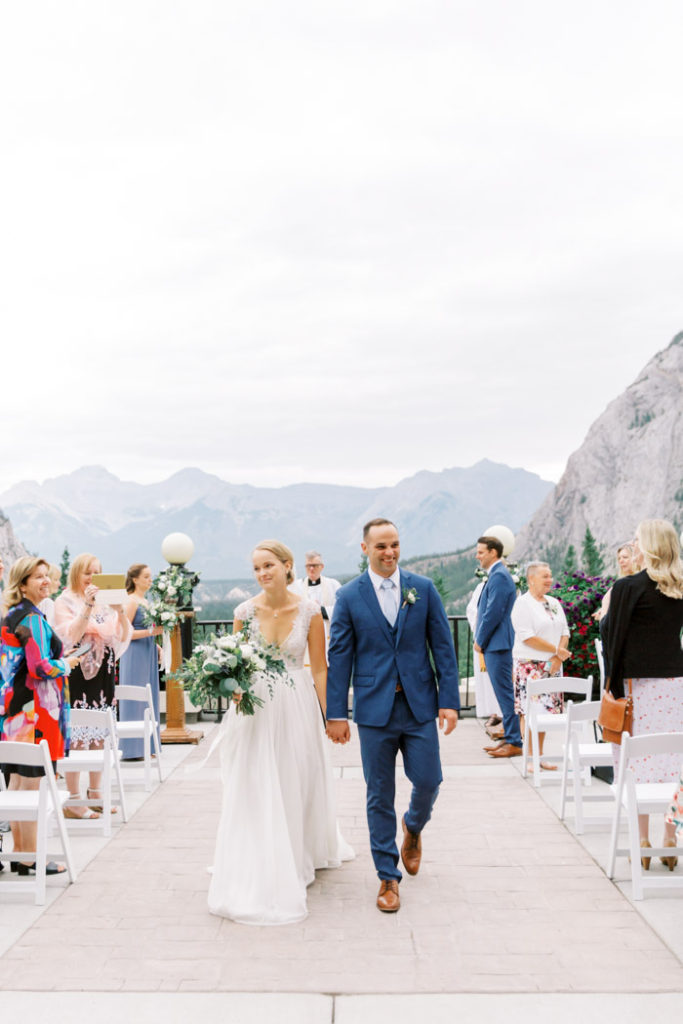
<point x="225" y="666"/>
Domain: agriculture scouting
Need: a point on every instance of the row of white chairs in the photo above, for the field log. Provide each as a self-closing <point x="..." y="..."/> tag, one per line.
<point x="46" y="804"/>
<point x="582" y="752"/>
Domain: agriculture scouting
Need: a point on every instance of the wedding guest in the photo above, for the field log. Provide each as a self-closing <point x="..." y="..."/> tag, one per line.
<point x="541" y="640"/>
<point x="140" y="662"/>
<point x="642" y="637"/>
<point x="494" y="639"/>
<point x="627" y="566"/>
<point x="485" y="699"/>
<point x="47" y="605"/>
<point x="79" y="619"/>
<point x="34" y="687"/>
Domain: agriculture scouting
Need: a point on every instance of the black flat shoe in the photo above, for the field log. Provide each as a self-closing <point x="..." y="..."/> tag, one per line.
<point x="30" y="869"/>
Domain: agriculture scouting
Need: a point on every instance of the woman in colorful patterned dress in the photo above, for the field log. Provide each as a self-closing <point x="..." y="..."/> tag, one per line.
<point x="79" y="619"/>
<point x="34" y="688"/>
<point x="541" y="639"/>
<point x="642" y="643"/>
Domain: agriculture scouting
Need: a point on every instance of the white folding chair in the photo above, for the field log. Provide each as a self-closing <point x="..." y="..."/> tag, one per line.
<point x="103" y="759"/>
<point x="601" y="664"/>
<point x="643" y="798"/>
<point x="41" y="805"/>
<point x="581" y="753"/>
<point x="145" y="728"/>
<point x="538" y="720"/>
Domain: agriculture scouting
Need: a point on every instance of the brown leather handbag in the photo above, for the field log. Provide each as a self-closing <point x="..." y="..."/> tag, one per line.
<point x="616" y="715"/>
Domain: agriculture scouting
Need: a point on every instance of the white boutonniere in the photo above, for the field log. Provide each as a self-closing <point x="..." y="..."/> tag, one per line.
<point x="410" y="596"/>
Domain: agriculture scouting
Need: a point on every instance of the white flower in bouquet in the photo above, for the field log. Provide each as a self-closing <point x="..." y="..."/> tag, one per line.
<point x="166" y="616"/>
<point x="258" y="663"/>
<point x="227" y="643"/>
<point x="161" y="585"/>
<point x="247" y="650"/>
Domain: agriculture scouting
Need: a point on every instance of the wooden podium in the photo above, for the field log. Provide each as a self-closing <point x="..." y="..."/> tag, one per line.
<point x="176" y="731"/>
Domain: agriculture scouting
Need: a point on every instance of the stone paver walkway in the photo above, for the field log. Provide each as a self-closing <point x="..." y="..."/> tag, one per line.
<point x="507" y="901"/>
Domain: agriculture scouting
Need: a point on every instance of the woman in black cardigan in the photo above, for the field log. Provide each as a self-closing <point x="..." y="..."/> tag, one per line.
<point x="642" y="640"/>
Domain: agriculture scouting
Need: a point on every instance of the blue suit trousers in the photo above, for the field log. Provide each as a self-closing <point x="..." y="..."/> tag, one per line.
<point x="419" y="745"/>
<point x="499" y="668"/>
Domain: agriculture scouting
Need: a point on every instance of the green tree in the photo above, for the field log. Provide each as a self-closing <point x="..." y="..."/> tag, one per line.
<point x="440" y="584"/>
<point x="64" y="566"/>
<point x="591" y="557"/>
<point x="569" y="565"/>
<point x="363" y="564"/>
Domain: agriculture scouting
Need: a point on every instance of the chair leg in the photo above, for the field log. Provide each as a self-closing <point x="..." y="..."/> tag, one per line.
<point x="535" y="755"/>
<point x="578" y="799"/>
<point x="41" y="845"/>
<point x="147" y="752"/>
<point x="157" y="751"/>
<point x="614" y="838"/>
<point x="525" y="747"/>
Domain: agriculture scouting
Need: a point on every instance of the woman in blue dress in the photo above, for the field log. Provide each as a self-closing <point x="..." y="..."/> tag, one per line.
<point x="139" y="665"/>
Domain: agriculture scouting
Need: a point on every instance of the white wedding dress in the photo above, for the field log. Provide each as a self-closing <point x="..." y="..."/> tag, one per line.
<point x="278" y="818"/>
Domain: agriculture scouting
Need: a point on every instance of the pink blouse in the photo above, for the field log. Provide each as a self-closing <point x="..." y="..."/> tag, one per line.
<point x="104" y="629"/>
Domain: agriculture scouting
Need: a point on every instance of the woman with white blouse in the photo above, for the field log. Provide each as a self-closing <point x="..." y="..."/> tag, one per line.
<point x="541" y="640"/>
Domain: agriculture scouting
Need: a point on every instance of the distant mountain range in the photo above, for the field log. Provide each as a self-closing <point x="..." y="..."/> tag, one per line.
<point x="122" y="522"/>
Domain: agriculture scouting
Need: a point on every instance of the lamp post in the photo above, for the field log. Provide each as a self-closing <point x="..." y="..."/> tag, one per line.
<point x="177" y="549"/>
<point x="505" y="535"/>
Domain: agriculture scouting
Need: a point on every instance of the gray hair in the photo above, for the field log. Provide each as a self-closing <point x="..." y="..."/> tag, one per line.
<point x="533" y="567"/>
<point x="313" y="554"/>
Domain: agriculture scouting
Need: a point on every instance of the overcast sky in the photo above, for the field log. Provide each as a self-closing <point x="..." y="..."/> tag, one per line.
<point x="334" y="240"/>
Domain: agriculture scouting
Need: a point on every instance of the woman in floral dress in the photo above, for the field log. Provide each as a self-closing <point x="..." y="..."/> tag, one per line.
<point x="541" y="639"/>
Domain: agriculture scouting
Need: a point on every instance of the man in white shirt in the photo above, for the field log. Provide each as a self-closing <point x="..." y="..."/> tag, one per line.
<point x="319" y="588"/>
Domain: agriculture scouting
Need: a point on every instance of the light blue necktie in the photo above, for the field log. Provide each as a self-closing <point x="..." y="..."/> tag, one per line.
<point x="388" y="601"/>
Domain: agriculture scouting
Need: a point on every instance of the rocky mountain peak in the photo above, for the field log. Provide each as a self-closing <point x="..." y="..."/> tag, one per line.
<point x="630" y="467"/>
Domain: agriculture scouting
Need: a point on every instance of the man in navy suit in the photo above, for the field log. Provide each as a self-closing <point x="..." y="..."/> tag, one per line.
<point x="385" y="624"/>
<point x="495" y="637"/>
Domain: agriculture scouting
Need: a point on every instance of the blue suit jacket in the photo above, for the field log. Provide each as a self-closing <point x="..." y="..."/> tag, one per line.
<point x="362" y="645"/>
<point x="494" y="627"/>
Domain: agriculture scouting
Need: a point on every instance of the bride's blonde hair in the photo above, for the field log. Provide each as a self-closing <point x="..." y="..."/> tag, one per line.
<point x="281" y="552"/>
<point x="661" y="553"/>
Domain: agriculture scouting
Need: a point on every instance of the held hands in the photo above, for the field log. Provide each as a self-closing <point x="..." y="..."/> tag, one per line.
<point x="448" y="719"/>
<point x="339" y="732"/>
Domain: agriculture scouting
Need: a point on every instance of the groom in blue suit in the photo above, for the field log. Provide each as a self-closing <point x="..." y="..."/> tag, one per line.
<point x="386" y="623"/>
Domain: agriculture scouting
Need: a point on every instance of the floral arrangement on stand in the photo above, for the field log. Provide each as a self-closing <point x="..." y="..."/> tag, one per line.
<point x="170" y="592"/>
<point x="581" y="595"/>
<point x="518" y="577"/>
<point x="226" y="666"/>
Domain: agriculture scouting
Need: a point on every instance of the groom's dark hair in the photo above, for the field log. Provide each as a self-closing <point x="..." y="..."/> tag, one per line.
<point x="376" y="522"/>
<point x="493" y="544"/>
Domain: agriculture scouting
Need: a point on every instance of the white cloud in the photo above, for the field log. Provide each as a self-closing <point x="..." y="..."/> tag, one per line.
<point x="339" y="242"/>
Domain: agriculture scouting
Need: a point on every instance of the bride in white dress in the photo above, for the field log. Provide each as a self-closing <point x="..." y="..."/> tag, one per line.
<point x="278" y="818"/>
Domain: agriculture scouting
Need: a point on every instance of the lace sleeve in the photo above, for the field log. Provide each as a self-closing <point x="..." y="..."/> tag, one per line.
<point x="310" y="608"/>
<point x="243" y="611"/>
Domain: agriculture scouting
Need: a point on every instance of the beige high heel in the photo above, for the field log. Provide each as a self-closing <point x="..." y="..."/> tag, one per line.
<point x="645" y="861"/>
<point x="669" y="862"/>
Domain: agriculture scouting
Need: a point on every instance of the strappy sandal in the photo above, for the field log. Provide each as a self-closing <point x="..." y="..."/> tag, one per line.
<point x="87" y="813"/>
<point x="98" y="807"/>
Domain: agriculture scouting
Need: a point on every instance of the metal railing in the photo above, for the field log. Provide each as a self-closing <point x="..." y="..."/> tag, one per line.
<point x="462" y="642"/>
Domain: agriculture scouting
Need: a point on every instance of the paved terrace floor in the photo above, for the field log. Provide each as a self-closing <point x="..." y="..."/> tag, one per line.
<point x="510" y="918"/>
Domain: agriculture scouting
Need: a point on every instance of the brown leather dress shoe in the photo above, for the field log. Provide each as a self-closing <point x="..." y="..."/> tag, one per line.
<point x="507" y="750"/>
<point x="411" y="851"/>
<point x="494" y="746"/>
<point x="388" y="899"/>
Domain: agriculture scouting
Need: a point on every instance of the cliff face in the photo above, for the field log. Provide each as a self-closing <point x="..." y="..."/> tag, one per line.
<point x="630" y="467"/>
<point x="10" y="548"/>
